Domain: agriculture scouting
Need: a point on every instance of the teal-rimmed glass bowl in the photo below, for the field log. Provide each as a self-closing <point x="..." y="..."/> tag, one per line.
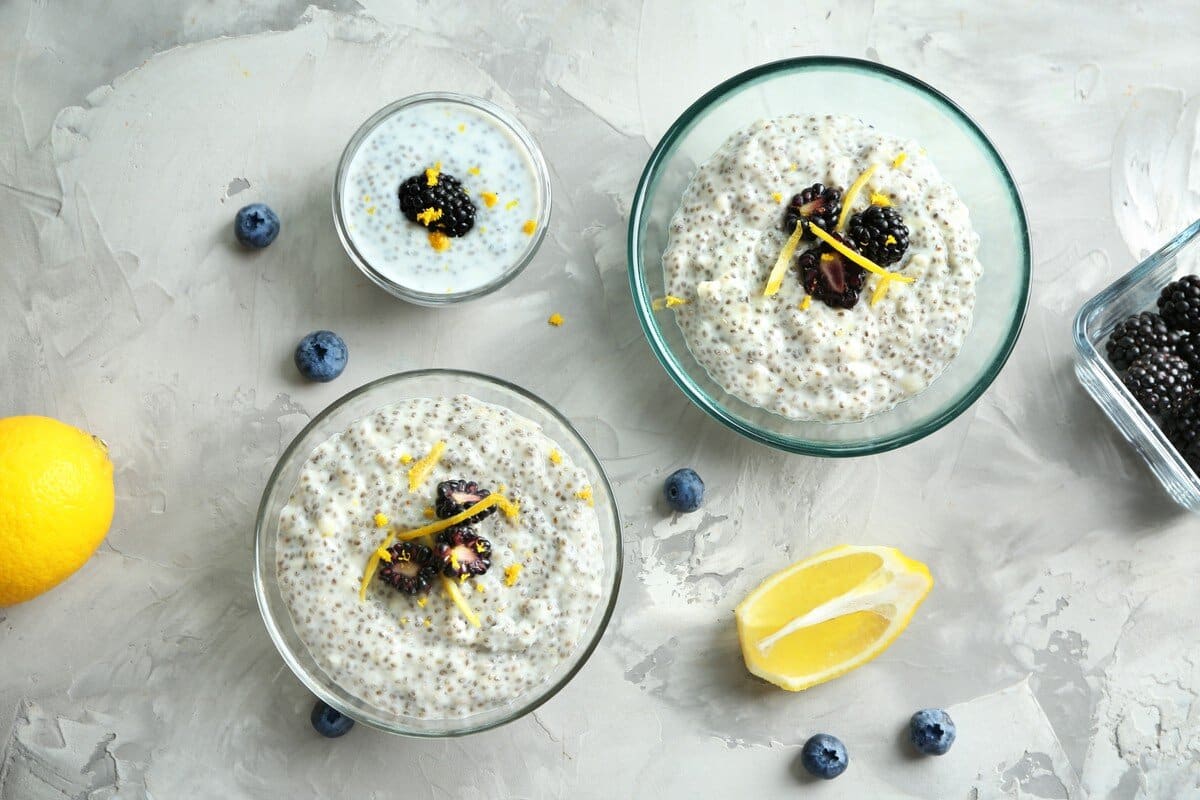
<point x="893" y="102"/>
<point x="360" y="403"/>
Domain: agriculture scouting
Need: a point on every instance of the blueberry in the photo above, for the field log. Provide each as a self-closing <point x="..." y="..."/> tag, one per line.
<point x="256" y="225"/>
<point x="328" y="721"/>
<point x="321" y="356"/>
<point x="825" y="756"/>
<point x="684" y="490"/>
<point x="932" y="731"/>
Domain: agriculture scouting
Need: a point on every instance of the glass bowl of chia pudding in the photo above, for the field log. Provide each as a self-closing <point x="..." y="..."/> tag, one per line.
<point x="829" y="256"/>
<point x="441" y="197"/>
<point x="437" y="553"/>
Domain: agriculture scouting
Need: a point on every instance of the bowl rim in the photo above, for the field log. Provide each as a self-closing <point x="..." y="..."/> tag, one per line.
<point x="262" y="524"/>
<point x="503" y="118"/>
<point x="663" y="352"/>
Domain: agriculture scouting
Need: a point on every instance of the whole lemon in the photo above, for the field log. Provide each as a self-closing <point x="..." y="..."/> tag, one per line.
<point x="56" y="503"/>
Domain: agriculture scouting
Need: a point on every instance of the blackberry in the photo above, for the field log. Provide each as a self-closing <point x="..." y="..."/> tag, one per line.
<point x="879" y="234"/>
<point x="1188" y="348"/>
<point x="830" y="277"/>
<point x="444" y="207"/>
<point x="455" y="497"/>
<point x="412" y="568"/>
<point x="1159" y="381"/>
<point x="1139" y="335"/>
<point x="460" y="552"/>
<point x="817" y="205"/>
<point x="1179" y="304"/>
<point x="1183" y="427"/>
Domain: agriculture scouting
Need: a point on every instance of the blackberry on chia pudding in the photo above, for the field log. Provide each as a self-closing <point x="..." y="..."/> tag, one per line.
<point x="437" y="201"/>
<point x="817" y="205"/>
<point x="879" y="233"/>
<point x="830" y="277"/>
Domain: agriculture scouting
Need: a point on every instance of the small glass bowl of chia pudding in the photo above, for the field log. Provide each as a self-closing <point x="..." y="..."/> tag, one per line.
<point x="441" y="197"/>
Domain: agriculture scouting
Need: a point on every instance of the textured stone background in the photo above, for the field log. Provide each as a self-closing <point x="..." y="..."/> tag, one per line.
<point x="1063" y="629"/>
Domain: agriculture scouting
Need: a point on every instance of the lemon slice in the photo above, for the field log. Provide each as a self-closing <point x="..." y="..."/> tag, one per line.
<point x="824" y="616"/>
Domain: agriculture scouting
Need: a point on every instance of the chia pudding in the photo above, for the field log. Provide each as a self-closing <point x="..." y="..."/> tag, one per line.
<point x="473" y="151"/>
<point x="418" y="655"/>
<point x="814" y="349"/>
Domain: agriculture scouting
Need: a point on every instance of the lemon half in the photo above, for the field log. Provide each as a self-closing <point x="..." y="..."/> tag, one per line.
<point x="824" y="616"/>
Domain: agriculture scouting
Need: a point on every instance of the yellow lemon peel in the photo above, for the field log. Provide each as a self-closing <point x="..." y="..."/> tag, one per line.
<point x="857" y="258"/>
<point x="473" y="170"/>
<point x="556" y="319"/>
<point x="899" y="160"/>
<point x="775" y="280"/>
<point x="555" y="457"/>
<point x="508" y="507"/>
<point x="429" y="215"/>
<point x="529" y="227"/>
<point x="489" y="198"/>
<point x="439" y="241"/>
<point x="852" y="194"/>
<point x="510" y="205"/>
<point x="777" y="197"/>
<point x="806" y="302"/>
<point x="878" y="199"/>
<point x="512" y="574"/>
<point x="419" y="471"/>
<point x="585" y="494"/>
<point x="669" y="301"/>
<point x="373" y="564"/>
<point x="431" y="174"/>
<point x="381" y="520"/>
<point x="457" y="596"/>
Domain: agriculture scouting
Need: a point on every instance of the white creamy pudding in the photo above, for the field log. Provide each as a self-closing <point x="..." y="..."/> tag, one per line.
<point x="830" y="340"/>
<point x="404" y="644"/>
<point x="453" y="149"/>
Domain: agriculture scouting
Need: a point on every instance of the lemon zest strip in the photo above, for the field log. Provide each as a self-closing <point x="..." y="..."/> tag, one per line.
<point x="781" y="264"/>
<point x="669" y="301"/>
<point x="373" y="564"/>
<point x="806" y="302"/>
<point x="857" y="258"/>
<point x="457" y="596"/>
<point x="881" y="289"/>
<point x="429" y="215"/>
<point x="419" y="471"/>
<point x="900" y="159"/>
<point x="431" y="174"/>
<point x="851" y="195"/>
<point x="509" y="508"/>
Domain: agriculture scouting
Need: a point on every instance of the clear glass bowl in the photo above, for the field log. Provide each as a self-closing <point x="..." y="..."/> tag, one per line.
<point x="336" y="418"/>
<point x="504" y="120"/>
<point x="894" y="102"/>
<point x="1137" y="291"/>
